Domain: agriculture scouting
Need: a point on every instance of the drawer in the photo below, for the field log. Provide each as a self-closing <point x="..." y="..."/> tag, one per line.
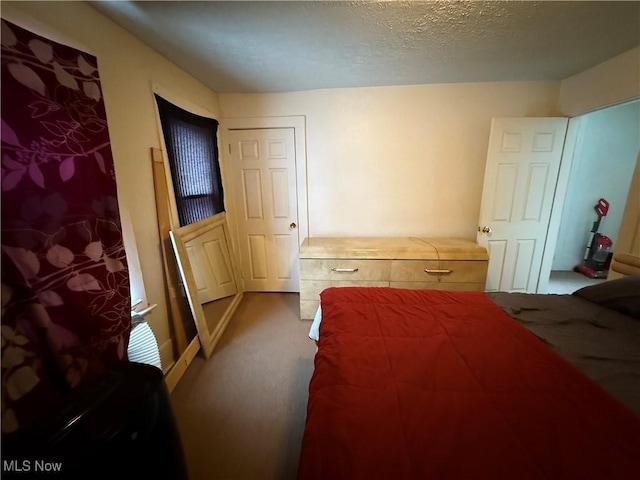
<point x="310" y="289"/>
<point x="436" y="271"/>
<point x="477" y="287"/>
<point x="344" y="269"/>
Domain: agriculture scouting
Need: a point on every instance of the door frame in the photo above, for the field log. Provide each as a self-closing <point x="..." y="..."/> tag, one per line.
<point x="562" y="183"/>
<point x="298" y="124"/>
<point x="572" y="141"/>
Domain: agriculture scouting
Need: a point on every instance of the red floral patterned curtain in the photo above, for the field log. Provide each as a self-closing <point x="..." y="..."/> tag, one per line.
<point x="65" y="287"/>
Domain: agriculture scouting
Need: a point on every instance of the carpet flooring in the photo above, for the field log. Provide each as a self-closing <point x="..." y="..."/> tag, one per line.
<point x="241" y="413"/>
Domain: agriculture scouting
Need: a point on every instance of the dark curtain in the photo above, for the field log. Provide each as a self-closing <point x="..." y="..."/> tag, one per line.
<point x="192" y="149"/>
<point x="66" y="309"/>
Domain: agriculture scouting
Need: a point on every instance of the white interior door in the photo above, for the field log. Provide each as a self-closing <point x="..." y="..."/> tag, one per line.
<point x="523" y="162"/>
<point x="263" y="166"/>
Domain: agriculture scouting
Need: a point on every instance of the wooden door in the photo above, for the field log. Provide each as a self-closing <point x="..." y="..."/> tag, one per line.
<point x="263" y="168"/>
<point x="523" y="162"/>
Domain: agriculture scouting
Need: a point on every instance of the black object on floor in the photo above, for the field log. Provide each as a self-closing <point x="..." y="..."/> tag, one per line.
<point x="121" y="426"/>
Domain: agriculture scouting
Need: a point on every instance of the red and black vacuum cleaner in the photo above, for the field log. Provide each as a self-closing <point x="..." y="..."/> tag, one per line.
<point x="598" y="254"/>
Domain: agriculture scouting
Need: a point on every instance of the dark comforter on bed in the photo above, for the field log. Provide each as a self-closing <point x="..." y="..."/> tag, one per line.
<point x="600" y="341"/>
<point x="445" y="385"/>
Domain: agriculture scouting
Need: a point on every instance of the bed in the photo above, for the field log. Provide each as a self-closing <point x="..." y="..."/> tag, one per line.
<point x="451" y="385"/>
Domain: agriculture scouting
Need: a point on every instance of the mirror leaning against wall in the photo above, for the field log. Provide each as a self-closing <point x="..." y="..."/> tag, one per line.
<point x="201" y="300"/>
<point x="208" y="271"/>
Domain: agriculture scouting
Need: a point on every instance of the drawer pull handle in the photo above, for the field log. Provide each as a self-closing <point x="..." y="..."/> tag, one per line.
<point x="343" y="270"/>
<point x="437" y="271"/>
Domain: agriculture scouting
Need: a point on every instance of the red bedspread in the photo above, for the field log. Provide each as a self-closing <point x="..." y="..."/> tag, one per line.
<point x="445" y="385"/>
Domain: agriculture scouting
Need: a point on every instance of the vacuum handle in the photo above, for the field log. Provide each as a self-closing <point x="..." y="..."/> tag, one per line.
<point x="602" y="207"/>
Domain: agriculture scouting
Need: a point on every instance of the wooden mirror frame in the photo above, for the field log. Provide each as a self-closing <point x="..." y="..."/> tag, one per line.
<point x="179" y="238"/>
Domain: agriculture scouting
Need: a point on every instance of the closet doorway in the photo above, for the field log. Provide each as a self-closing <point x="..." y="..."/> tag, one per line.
<point x="604" y="158"/>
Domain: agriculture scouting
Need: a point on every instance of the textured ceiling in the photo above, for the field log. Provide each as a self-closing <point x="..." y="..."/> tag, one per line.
<point x="276" y="46"/>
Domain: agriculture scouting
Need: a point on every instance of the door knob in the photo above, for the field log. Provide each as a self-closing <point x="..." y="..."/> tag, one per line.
<point x="292" y="226"/>
<point x="485" y="229"/>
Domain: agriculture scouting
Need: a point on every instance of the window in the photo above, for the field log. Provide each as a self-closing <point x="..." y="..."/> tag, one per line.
<point x="192" y="150"/>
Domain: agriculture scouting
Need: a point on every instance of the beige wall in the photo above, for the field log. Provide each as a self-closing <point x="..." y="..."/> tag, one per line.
<point x="127" y="69"/>
<point x="398" y="160"/>
<point x="615" y="81"/>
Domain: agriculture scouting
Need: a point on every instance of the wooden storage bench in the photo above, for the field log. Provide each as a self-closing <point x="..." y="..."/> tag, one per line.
<point x="402" y="262"/>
